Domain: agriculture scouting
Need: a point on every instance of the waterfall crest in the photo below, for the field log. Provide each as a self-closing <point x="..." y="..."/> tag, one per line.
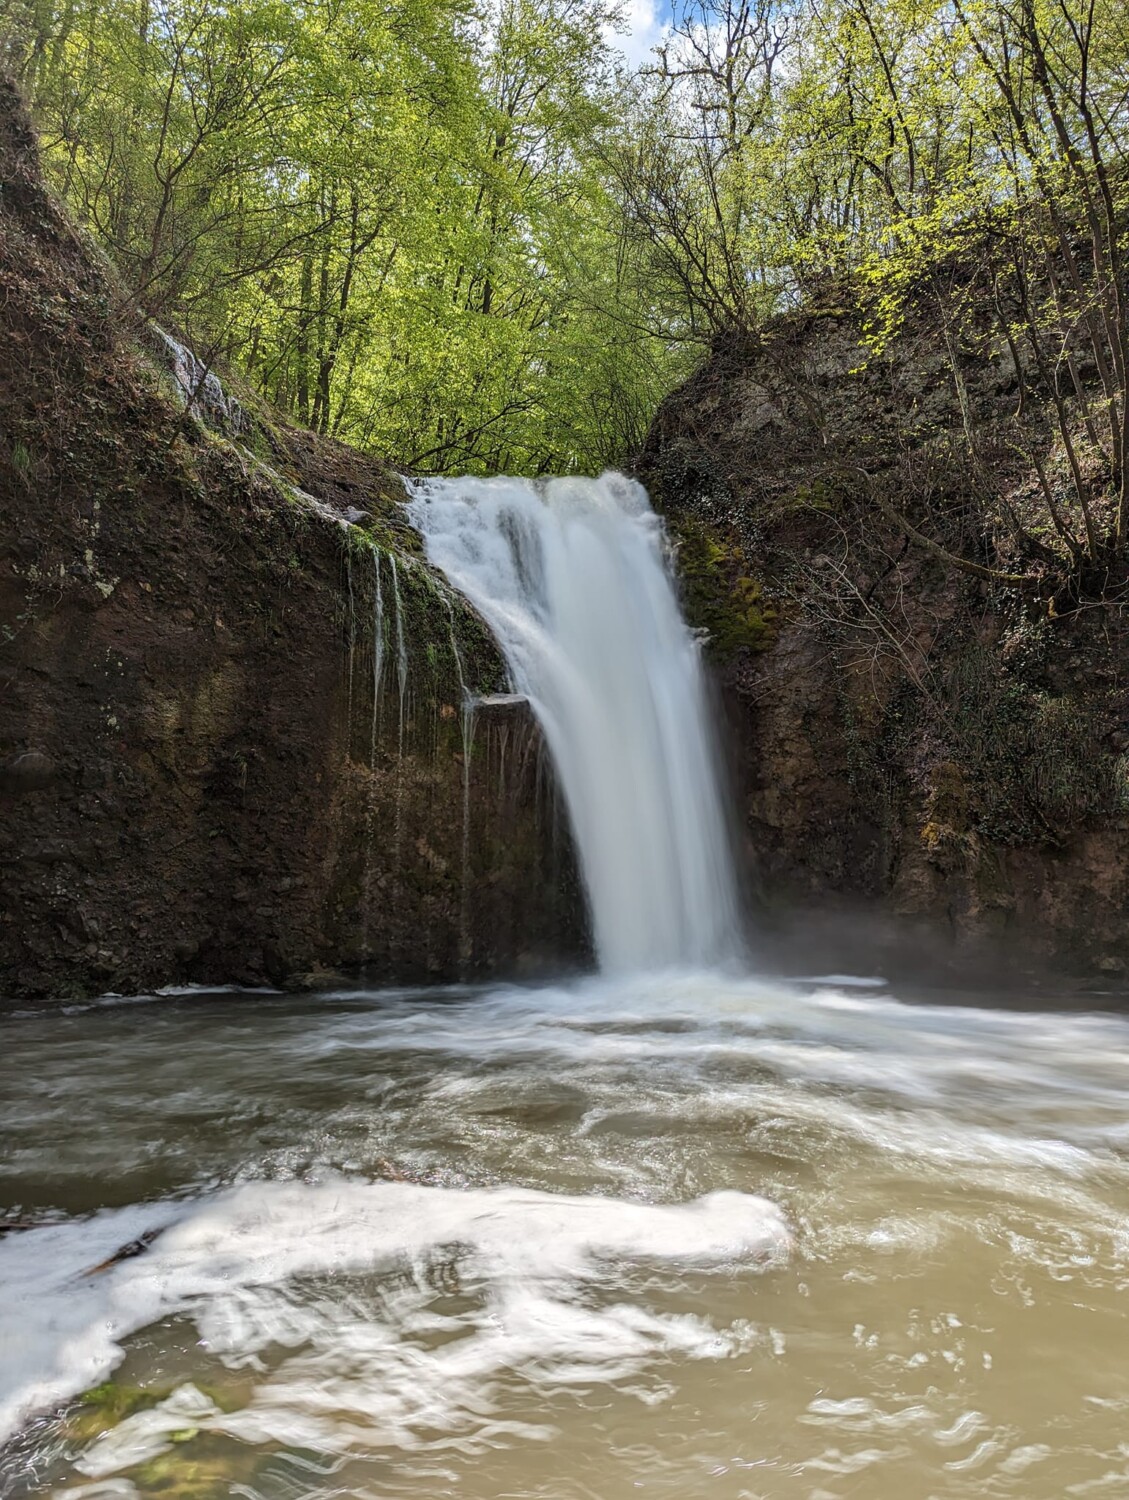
<point x="570" y="575"/>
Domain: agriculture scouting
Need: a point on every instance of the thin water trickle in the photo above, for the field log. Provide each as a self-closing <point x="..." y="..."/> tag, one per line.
<point x="467" y="723"/>
<point x="402" y="686"/>
<point x="401" y="645"/>
<point x="377" y="650"/>
<point x="571" y="577"/>
<point x="351" y="637"/>
<point x="370" y="804"/>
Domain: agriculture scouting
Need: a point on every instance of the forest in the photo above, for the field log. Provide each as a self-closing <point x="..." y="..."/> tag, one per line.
<point x="474" y="237"/>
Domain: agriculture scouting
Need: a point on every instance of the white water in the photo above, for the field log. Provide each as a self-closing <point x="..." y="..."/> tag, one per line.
<point x="577" y="1284"/>
<point x="571" y="577"/>
<point x="231" y="1261"/>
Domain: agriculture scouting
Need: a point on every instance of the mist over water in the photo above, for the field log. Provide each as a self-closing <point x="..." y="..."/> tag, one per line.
<point x="571" y="577"/>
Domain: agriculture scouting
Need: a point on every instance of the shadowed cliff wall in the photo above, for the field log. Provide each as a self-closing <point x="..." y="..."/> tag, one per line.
<point x="198" y="778"/>
<point x="931" y="746"/>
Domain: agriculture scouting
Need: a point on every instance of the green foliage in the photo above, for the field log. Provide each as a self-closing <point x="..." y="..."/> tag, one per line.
<point x="388" y="217"/>
<point x="964" y="163"/>
<point x="21" y="461"/>
<point x="461" y="234"/>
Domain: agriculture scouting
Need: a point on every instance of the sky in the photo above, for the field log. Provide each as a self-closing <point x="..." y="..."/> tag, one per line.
<point x="647" y="20"/>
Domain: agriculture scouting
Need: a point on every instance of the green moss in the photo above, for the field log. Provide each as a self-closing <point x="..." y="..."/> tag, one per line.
<point x="720" y="594"/>
<point x="379" y="531"/>
<point x="447" y="644"/>
<point x="21" y="462"/>
<point x="200" y="1467"/>
<point x="105" y="1405"/>
<point x="816" y="496"/>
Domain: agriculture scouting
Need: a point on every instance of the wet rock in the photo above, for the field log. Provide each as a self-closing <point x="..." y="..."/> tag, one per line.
<point x="82" y="925"/>
<point x="17" y="1226"/>
<point x="277" y="967"/>
<point x="96" y="774"/>
<point x="127" y="1252"/>
<point x="199" y="385"/>
<point x="314" y="979"/>
<point x="29" y="772"/>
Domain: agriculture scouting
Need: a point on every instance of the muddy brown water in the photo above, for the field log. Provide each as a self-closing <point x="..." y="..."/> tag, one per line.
<point x="689" y="1236"/>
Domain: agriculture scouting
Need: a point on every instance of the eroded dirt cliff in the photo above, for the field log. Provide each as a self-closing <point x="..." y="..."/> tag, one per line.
<point x="219" y="759"/>
<point x="909" y="738"/>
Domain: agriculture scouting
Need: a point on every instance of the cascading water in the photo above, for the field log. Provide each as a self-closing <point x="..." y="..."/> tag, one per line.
<point x="570" y="576"/>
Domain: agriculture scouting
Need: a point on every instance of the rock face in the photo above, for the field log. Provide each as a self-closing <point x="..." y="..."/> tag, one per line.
<point x="909" y="740"/>
<point x="219" y="759"/>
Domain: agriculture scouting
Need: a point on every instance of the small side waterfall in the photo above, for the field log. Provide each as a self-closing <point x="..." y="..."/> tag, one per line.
<point x="570" y="576"/>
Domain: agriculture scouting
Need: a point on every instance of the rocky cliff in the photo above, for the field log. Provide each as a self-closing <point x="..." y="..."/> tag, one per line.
<point x="232" y="737"/>
<point x="920" y="740"/>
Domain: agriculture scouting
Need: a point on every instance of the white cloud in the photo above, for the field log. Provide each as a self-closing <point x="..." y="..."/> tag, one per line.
<point x="644" y="29"/>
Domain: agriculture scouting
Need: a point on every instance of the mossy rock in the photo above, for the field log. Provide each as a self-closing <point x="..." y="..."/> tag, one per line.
<point x="198" y="1465"/>
<point x="720" y="594"/>
<point x="819" y="495"/>
<point x="435" y="619"/>
<point x="104" y="1406"/>
<point x="202" y="1467"/>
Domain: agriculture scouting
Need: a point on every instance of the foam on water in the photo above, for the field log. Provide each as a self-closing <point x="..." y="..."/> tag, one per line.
<point x="955" y="1183"/>
<point x="229" y="1262"/>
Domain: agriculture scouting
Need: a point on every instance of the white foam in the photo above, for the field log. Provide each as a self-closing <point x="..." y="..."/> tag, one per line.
<point x="230" y="1263"/>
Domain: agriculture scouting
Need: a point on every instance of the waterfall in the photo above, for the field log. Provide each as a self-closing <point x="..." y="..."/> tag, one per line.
<point x="401" y="647"/>
<point x="570" y="576"/>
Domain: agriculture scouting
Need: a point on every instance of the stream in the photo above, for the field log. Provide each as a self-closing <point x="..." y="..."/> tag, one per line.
<point x="693" y="1235"/>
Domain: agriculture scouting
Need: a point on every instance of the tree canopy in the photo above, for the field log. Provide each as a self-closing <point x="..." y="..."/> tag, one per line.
<point x="466" y="234"/>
